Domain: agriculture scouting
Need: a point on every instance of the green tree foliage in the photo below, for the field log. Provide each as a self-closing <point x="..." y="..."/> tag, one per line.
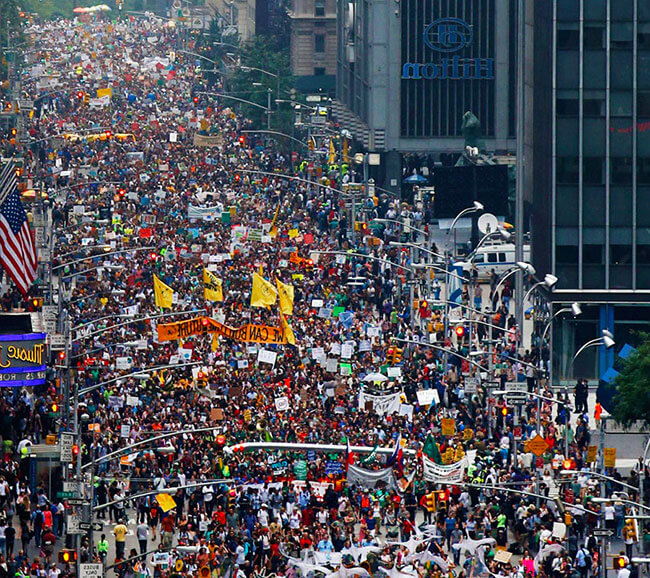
<point x="263" y="53"/>
<point x="632" y="399"/>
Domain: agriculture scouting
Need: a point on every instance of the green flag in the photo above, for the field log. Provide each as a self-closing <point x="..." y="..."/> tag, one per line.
<point x="430" y="449"/>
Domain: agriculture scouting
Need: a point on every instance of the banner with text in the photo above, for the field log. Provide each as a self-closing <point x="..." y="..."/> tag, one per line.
<point x="207" y="325"/>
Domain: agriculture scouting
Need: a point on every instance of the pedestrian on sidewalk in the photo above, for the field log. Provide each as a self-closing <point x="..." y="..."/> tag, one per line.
<point x="102" y="548"/>
<point x="120" y="539"/>
<point x="142" y="533"/>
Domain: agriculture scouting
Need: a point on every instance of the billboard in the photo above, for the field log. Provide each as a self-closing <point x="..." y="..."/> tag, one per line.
<point x="22" y="360"/>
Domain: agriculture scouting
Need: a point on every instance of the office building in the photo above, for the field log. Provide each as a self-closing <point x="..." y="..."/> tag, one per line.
<point x="236" y="17"/>
<point x="408" y="71"/>
<point x="313" y="45"/>
<point x="588" y="171"/>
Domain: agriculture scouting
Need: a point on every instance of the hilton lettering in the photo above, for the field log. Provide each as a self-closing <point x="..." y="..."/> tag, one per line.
<point x="454" y="68"/>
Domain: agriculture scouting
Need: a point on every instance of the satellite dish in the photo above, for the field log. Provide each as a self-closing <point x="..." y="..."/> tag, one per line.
<point x="487" y="223"/>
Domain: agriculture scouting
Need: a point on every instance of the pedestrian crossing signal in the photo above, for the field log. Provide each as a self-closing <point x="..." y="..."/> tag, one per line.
<point x="67" y="556"/>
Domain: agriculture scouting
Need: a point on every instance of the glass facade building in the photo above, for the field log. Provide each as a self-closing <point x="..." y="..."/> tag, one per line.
<point x="589" y="183"/>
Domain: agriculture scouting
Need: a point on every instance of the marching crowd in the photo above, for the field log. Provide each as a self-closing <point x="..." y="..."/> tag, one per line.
<point x="145" y="182"/>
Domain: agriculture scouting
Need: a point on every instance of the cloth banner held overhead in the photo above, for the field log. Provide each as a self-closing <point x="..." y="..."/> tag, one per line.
<point x="369" y="478"/>
<point x="201" y="140"/>
<point x="263" y="292"/>
<point x="452" y="474"/>
<point x="207" y="325"/>
<point x="163" y="294"/>
<point x="382" y="404"/>
<point x="204" y="213"/>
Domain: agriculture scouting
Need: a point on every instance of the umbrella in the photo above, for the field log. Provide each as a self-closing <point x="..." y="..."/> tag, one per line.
<point x="375" y="377"/>
<point x="416" y="179"/>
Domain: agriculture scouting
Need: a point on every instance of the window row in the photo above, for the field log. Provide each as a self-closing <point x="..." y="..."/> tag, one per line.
<point x="593" y="170"/>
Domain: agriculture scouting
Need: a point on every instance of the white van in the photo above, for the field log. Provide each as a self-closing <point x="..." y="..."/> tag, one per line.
<point x="497" y="256"/>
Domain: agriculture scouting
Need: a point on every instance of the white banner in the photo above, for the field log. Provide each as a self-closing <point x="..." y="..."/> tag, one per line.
<point x="369" y="478"/>
<point x="451" y="474"/>
<point x="204" y="213"/>
<point x="318" y="489"/>
<point x="382" y="404"/>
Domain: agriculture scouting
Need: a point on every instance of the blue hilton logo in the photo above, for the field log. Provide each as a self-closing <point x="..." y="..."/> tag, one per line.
<point x="447" y="35"/>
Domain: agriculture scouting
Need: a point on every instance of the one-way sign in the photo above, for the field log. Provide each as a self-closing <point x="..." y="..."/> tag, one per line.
<point x="87" y="526"/>
<point x="78" y="502"/>
<point x="603" y="533"/>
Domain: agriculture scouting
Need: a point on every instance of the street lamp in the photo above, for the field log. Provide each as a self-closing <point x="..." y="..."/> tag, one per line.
<point x="607" y="339"/>
<point x="519" y="266"/>
<point x="575" y="309"/>
<point x="476" y="207"/>
<point x="549" y="281"/>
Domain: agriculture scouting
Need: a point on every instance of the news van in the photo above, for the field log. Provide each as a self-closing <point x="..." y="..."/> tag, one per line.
<point x="498" y="256"/>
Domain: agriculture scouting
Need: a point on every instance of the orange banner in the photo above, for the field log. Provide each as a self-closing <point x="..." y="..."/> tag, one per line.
<point x="206" y="325"/>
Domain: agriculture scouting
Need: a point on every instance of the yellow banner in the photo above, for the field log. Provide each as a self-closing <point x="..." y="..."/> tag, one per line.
<point x="104" y="92"/>
<point x="206" y="325"/>
<point x="212" y="287"/>
<point x="610" y="457"/>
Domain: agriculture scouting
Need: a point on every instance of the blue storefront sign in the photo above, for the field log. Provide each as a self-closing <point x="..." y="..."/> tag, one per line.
<point x="446" y="36"/>
<point x="22" y="360"/>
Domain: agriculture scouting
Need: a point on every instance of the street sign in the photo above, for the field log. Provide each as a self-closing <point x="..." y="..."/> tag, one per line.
<point x="603" y="533"/>
<point x="87" y="526"/>
<point x="538" y="445"/>
<point x="471" y="384"/>
<point x="65" y="495"/>
<point x="49" y="312"/>
<point x="57" y="341"/>
<point x="516" y="389"/>
<point x="91" y="570"/>
<point x="66" y="441"/>
<point x="78" y="502"/>
<point x="73" y="525"/>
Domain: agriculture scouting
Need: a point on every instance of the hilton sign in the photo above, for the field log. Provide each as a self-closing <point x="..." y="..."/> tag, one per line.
<point x="448" y="35"/>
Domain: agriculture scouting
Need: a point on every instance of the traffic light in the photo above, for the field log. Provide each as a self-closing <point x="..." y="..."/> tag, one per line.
<point x="232" y="498"/>
<point x="75" y="450"/>
<point x="620" y="562"/>
<point x="195" y="100"/>
<point x="121" y="193"/>
<point x="630" y="530"/>
<point x="361" y="226"/>
<point x="430" y="502"/>
<point x="14" y="131"/>
<point x="460" y="331"/>
<point x="309" y="264"/>
<point x="504" y="411"/>
<point x="61" y="356"/>
<point x="80" y="94"/>
<point x="54" y="409"/>
<point x="8" y="106"/>
<point x="567" y="464"/>
<point x="67" y="556"/>
<point x="443" y="497"/>
<point x="237" y="178"/>
<point x="242" y="140"/>
<point x="108" y="134"/>
<point x="37" y="303"/>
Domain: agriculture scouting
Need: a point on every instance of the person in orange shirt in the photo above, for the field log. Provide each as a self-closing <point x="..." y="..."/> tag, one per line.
<point x="598" y="410"/>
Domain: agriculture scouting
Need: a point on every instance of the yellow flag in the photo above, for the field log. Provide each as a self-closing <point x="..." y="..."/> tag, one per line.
<point x="345" y="153"/>
<point x="331" y="159"/>
<point x="163" y="293"/>
<point x="286" y="328"/>
<point x="212" y="287"/>
<point x="285" y="294"/>
<point x="215" y="342"/>
<point x="263" y="293"/>
<point x="166" y="502"/>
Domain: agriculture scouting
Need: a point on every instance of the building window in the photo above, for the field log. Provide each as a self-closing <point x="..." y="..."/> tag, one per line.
<point x="620" y="254"/>
<point x="566" y="254"/>
<point x="593" y="37"/>
<point x="319" y="71"/>
<point x="567" y="107"/>
<point x="621" y="170"/>
<point x="567" y="170"/>
<point x="592" y="170"/>
<point x="592" y="254"/>
<point x="319" y="8"/>
<point x="319" y="43"/>
<point x="568" y="39"/>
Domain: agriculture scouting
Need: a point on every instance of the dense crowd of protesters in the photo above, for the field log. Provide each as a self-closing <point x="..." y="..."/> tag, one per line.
<point x="134" y="185"/>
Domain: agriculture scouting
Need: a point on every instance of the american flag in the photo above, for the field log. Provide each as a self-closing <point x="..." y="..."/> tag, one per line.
<point x="17" y="248"/>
